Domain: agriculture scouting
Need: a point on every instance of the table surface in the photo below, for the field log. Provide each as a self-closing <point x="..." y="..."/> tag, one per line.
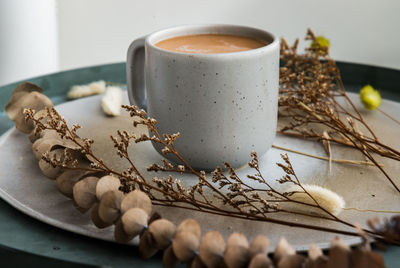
<point x="26" y="242"/>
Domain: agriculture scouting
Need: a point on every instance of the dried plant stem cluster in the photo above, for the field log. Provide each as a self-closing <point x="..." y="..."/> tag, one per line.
<point x="313" y="104"/>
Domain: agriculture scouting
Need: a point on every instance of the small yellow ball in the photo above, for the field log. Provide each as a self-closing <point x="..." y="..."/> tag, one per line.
<point x="370" y="97"/>
<point x="320" y="41"/>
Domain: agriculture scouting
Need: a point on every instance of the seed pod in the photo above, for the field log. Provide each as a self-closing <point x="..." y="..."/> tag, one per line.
<point x="197" y="263"/>
<point x="21" y="90"/>
<point x="211" y="250"/>
<point x="190" y="225"/>
<point x="260" y="244"/>
<point x="292" y="261"/>
<point x="169" y="259"/>
<point x="13" y="107"/>
<point x="237" y="250"/>
<point x="26" y="95"/>
<point x="47" y="169"/>
<point x="43" y="133"/>
<point x="84" y="192"/>
<point x="260" y="260"/>
<point x="34" y="136"/>
<point x="136" y="199"/>
<point x="110" y="206"/>
<point x="146" y="248"/>
<point x="162" y="232"/>
<point x="339" y="254"/>
<point x="282" y="249"/>
<point x="185" y="245"/>
<point x="316" y="258"/>
<point x="237" y="239"/>
<point x="236" y="256"/>
<point x="236" y="253"/>
<point x="314" y="252"/>
<point x="120" y="235"/>
<point x="359" y="258"/>
<point x="35" y="146"/>
<point x="67" y="180"/>
<point x="48" y="133"/>
<point x="51" y="140"/>
<point x="94" y="215"/>
<point x="105" y="184"/>
<point x="134" y="221"/>
<point x="41" y="146"/>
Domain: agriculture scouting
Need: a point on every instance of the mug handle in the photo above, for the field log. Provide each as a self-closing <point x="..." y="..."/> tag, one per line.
<point x="135" y="74"/>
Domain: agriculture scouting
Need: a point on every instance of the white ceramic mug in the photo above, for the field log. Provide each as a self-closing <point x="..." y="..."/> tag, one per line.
<point x="224" y="105"/>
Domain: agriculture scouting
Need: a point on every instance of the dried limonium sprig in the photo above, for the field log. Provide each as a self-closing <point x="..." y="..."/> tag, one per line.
<point x="221" y="193"/>
<point x="313" y="104"/>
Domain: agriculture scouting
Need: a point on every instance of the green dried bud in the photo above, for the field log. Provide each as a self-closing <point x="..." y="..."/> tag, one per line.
<point x="370" y="97"/>
<point x="322" y="43"/>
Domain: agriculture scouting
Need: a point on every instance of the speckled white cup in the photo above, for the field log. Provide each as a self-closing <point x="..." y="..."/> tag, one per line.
<point x="224" y="105"/>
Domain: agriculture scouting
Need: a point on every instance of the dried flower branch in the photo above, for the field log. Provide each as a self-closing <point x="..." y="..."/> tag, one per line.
<point x="344" y="161"/>
<point x="223" y="193"/>
<point x="311" y="104"/>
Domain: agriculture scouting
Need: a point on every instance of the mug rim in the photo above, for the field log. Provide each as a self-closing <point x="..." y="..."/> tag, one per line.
<point x="182" y="30"/>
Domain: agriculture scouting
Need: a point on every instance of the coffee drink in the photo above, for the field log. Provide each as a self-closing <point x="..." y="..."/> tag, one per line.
<point x="223" y="104"/>
<point x="210" y="43"/>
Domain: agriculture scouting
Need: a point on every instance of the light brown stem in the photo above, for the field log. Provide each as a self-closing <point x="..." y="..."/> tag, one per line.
<point x="389" y="116"/>
<point x="345" y="161"/>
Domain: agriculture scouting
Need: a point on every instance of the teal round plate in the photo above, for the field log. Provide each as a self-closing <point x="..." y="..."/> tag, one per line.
<point x="23" y="233"/>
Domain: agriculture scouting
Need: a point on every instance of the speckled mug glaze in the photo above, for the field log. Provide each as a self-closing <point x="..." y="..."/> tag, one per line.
<point x="224" y="105"/>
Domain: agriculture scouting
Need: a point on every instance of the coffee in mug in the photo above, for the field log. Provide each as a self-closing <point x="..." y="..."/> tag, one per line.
<point x="223" y="102"/>
<point x="210" y="43"/>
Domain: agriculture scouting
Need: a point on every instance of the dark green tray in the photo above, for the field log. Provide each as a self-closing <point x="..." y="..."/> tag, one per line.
<point x="26" y="242"/>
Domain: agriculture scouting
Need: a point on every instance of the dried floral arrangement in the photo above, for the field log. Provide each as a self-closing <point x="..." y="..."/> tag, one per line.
<point x="314" y="102"/>
<point x="310" y="86"/>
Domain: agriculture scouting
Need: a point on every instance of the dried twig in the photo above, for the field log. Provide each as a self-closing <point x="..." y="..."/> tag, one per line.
<point x="227" y="195"/>
<point x="344" y="161"/>
<point x="311" y="104"/>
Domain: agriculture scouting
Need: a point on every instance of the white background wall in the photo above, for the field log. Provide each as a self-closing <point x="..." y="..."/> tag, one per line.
<point x="99" y="31"/>
<point x="28" y="39"/>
